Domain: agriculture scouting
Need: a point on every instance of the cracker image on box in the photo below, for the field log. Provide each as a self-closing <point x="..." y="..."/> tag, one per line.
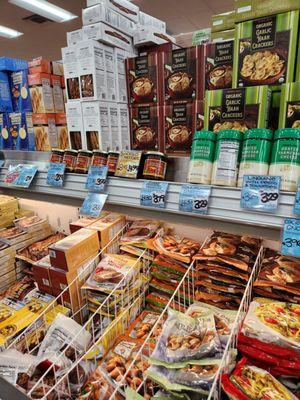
<point x="145" y="127"/>
<point x="289" y="115"/>
<point x="239" y="109"/>
<point x="265" y="50"/>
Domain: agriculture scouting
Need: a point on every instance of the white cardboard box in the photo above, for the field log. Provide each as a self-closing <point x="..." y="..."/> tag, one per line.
<point x="123" y="7"/>
<point x="57" y="68"/>
<point x="92" y="125"/>
<point x="105" y="125"/>
<point x="110" y="69"/>
<point x="75" y="125"/>
<point x="148" y="36"/>
<point x="124" y="126"/>
<point x="69" y="56"/>
<point x="114" y="122"/>
<point x="108" y="35"/>
<point x="148" y="21"/>
<point x="58" y="97"/>
<point x="74" y="37"/>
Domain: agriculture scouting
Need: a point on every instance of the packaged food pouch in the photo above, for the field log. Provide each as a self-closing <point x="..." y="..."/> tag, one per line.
<point x="139" y="232"/>
<point x="97" y="387"/>
<point x="274" y="322"/>
<point x="143" y="324"/>
<point x="186" y="338"/>
<point x="79" y="375"/>
<point x="15" y="367"/>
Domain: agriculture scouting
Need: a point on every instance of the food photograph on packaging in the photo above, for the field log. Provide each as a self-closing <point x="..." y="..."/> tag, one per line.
<point x="150" y="200"/>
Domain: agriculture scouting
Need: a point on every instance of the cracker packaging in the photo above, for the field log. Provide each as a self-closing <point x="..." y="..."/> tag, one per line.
<point x="21" y="131"/>
<point x="250" y="9"/>
<point x="145" y="127"/>
<point x="41" y="93"/>
<point x="289" y="116"/>
<point x="223" y="21"/>
<point x="45" y="132"/>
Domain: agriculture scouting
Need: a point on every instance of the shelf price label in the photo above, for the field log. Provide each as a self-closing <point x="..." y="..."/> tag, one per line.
<point x="260" y="192"/>
<point x="153" y="194"/>
<point x="290" y="242"/>
<point x="297" y="200"/>
<point x="56" y="174"/>
<point x="194" y="198"/>
<point x="20" y="175"/>
<point x="97" y="178"/>
<point x="93" y="204"/>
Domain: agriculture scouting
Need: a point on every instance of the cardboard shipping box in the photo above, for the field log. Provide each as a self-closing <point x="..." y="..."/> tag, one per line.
<point x="222" y="22"/>
<point x="251" y="9"/>
<point x="71" y="71"/>
<point x="41" y="93"/>
<point x="108" y="227"/>
<point x="123" y="7"/>
<point x="45" y="132"/>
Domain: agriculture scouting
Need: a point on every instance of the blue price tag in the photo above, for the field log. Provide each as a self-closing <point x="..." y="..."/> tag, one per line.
<point x="55" y="174"/>
<point x="260" y="192"/>
<point x="194" y="198"/>
<point x="297" y="200"/>
<point x="93" y="204"/>
<point x="21" y="175"/>
<point x="290" y="244"/>
<point x="153" y="194"/>
<point x="96" y="179"/>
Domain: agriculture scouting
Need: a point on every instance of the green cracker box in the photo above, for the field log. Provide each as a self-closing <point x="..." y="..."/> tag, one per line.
<point x="222" y="22"/>
<point x="289" y="115"/>
<point x="222" y="36"/>
<point x="239" y="109"/>
<point x="265" y="50"/>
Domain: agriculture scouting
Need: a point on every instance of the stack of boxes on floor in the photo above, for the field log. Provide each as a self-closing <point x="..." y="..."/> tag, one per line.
<point x="32" y="112"/>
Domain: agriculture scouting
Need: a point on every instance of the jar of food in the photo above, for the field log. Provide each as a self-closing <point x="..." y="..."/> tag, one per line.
<point x="57" y="156"/>
<point x="226" y="159"/>
<point x="83" y="162"/>
<point x="256" y="152"/>
<point x="202" y="157"/>
<point x="70" y="158"/>
<point x="155" y="166"/>
<point x="112" y="161"/>
<point x="99" y="158"/>
<point x="285" y="159"/>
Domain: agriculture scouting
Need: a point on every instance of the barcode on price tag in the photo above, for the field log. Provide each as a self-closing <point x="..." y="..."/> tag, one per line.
<point x="97" y="178"/>
<point x="260" y="192"/>
<point x="93" y="204"/>
<point x="194" y="198"/>
<point x="153" y="194"/>
<point x="290" y="242"/>
<point x="55" y="174"/>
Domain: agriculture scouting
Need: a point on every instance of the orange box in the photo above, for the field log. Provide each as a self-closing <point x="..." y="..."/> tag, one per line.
<point x="38" y="65"/>
<point x="62" y="131"/>
<point x="108" y="227"/>
<point x="41" y="93"/>
<point x="85" y="222"/>
<point x="45" y="132"/>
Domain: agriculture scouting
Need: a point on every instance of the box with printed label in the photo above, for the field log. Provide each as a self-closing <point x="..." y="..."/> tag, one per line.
<point x="5" y="96"/>
<point x="38" y="65"/>
<point x="110" y="69"/>
<point x="222" y="36"/>
<point x="115" y="131"/>
<point x="120" y="74"/>
<point x="85" y="222"/>
<point x="123" y="7"/>
<point x="74" y="37"/>
<point x="20" y="92"/>
<point x="70" y="252"/>
<point x="57" y="68"/>
<point x="62" y="131"/>
<point x="109" y="35"/>
<point x="41" y="93"/>
<point x="251" y="9"/>
<point x="124" y="126"/>
<point x="41" y="275"/>
<point x="21" y="131"/>
<point x="289" y="116"/>
<point x="45" y="132"/>
<point x="75" y="125"/>
<point x="148" y="21"/>
<point x="222" y="22"/>
<point x="101" y="13"/>
<point x="69" y="57"/>
<point x="5" y="136"/>
<point x="108" y="227"/>
<point x="240" y="109"/>
<point x="145" y="127"/>
<point x="96" y="124"/>
<point x="91" y="65"/>
<point x="12" y="64"/>
<point x="58" y="98"/>
<point x="151" y="36"/>
<point x="274" y="109"/>
<point x="265" y="50"/>
<point x="178" y="127"/>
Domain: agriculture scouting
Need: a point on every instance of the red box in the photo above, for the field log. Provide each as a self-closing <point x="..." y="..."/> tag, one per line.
<point x="42" y="278"/>
<point x="199" y="115"/>
<point x="38" y="65"/>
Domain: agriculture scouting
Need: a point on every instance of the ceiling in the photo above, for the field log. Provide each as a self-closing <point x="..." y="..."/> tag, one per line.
<point x="47" y="39"/>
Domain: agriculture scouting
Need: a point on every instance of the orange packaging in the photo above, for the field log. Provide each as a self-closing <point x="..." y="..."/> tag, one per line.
<point x="38" y="65"/>
<point x="45" y="132"/>
<point x="63" y="84"/>
<point x="86" y="222"/>
<point x="41" y="93"/>
<point x="108" y="227"/>
<point x="62" y="131"/>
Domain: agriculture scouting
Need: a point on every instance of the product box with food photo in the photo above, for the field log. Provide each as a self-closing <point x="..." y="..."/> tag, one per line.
<point x="143" y="79"/>
<point x="69" y="57"/>
<point x="218" y="65"/>
<point x="75" y="125"/>
<point x="96" y="125"/>
<point x="41" y="93"/>
<point x="20" y="94"/>
<point x="238" y="109"/>
<point x="178" y="127"/>
<point x="5" y="137"/>
<point x="45" y="132"/>
<point x="289" y="116"/>
<point x="145" y="127"/>
<point x="62" y="131"/>
<point x="265" y="50"/>
<point x="21" y="131"/>
<point x="223" y="21"/>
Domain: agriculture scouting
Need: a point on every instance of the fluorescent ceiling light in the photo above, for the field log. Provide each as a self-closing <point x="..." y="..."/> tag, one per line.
<point x="46" y="9"/>
<point x="9" y="33"/>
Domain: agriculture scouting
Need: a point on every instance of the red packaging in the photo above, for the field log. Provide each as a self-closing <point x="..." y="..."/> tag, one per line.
<point x="143" y="79"/>
<point x="145" y="127"/>
<point x="42" y="278"/>
<point x="178" y="127"/>
<point x="199" y="114"/>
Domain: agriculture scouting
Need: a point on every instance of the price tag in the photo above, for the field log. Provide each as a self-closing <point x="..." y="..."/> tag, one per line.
<point x="93" y="204"/>
<point x="290" y="244"/>
<point x="297" y="200"/>
<point x="194" y="198"/>
<point x="153" y="194"/>
<point x="260" y="192"/>
<point x="55" y="174"/>
<point x="21" y="175"/>
<point x="96" y="179"/>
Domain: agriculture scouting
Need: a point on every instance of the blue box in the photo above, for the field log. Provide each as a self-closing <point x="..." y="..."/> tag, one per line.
<point x="5" y="97"/>
<point x="5" y="137"/>
<point x="21" y="129"/>
<point x="20" y="94"/>
<point x="12" y="64"/>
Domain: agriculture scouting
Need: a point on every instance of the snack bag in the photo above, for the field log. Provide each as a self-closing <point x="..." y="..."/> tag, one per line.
<point x="143" y="324"/>
<point x="139" y="232"/>
<point x="181" y="249"/>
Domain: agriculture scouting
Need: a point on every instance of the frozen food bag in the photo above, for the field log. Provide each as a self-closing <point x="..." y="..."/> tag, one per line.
<point x="15" y="367"/>
<point x="140" y="231"/>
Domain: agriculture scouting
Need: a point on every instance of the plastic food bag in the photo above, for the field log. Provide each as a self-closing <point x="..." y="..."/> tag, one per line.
<point x="15" y="367"/>
<point x="139" y="232"/>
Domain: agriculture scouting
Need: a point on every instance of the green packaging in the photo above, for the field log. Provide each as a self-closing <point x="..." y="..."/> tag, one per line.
<point x="289" y="115"/>
<point x="256" y="152"/>
<point x="222" y="22"/>
<point x="285" y="161"/>
<point x="240" y="109"/>
<point x="265" y="50"/>
<point x="251" y="9"/>
<point x="222" y="36"/>
<point x="201" y="36"/>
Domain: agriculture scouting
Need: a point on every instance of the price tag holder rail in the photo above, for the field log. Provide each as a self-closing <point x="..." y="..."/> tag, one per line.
<point x="56" y="174"/>
<point x="153" y="194"/>
<point x="194" y="198"/>
<point x="97" y="178"/>
<point x="290" y="237"/>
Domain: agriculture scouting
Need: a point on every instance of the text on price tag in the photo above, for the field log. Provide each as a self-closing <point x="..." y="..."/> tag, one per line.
<point x="21" y="175"/>
<point x="93" y="204"/>
<point x="194" y="198"/>
<point x="55" y="174"/>
<point x="97" y="178"/>
<point x="260" y="192"/>
<point x="153" y="194"/>
<point x="290" y="244"/>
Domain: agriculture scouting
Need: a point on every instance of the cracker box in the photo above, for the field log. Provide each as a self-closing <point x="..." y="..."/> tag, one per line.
<point x="41" y="93"/>
<point x="107" y="227"/>
<point x="57" y="68"/>
<point x="143" y="79"/>
<point x="20" y="92"/>
<point x="123" y="7"/>
<point x="265" y="50"/>
<point x="250" y="9"/>
<point x="148" y="21"/>
<point x="124" y="126"/>
<point x="45" y="132"/>
<point x="222" y="36"/>
<point x="114" y="121"/>
<point x="38" y="65"/>
<point x="58" y="98"/>
<point x="5" y="94"/>
<point x="110" y="69"/>
<point x="223" y="21"/>
<point x="75" y="125"/>
<point x="151" y="36"/>
<point x="74" y="37"/>
<point x="41" y="275"/>
<point x="120" y="74"/>
<point x="178" y="127"/>
<point x="239" y="109"/>
<point x="21" y="131"/>
<point x="69" y="253"/>
<point x="85" y="222"/>
<point x="289" y="116"/>
<point x="5" y="137"/>
<point x="218" y="65"/>
<point x="62" y="131"/>
<point x="71" y="70"/>
<point x="145" y="127"/>
<point x="199" y="114"/>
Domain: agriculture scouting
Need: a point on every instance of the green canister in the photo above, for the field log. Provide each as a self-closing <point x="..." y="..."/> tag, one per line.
<point x="256" y="153"/>
<point x="202" y="157"/>
<point x="285" y="160"/>
<point x="227" y="157"/>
